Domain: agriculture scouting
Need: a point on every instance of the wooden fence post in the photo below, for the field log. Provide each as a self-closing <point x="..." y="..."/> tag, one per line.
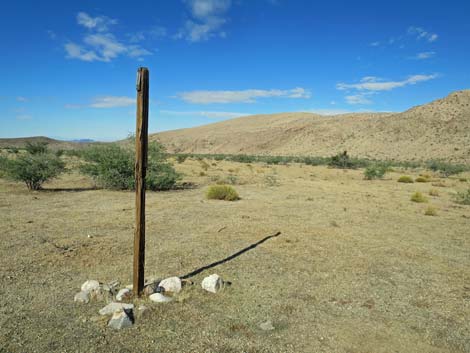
<point x="141" y="146"/>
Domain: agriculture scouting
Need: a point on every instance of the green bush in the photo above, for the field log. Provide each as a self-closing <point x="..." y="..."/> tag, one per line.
<point x="446" y="169"/>
<point x="112" y="167"/>
<point x="463" y="197"/>
<point x="180" y="158"/>
<point x="222" y="192"/>
<point x="33" y="169"/>
<point x="375" y="171"/>
<point x="430" y="211"/>
<point x="343" y="161"/>
<point x="36" y="148"/>
<point x="405" y="179"/>
<point x="418" y="197"/>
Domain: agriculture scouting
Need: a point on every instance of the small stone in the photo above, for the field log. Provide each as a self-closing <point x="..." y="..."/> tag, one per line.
<point x="266" y="326"/>
<point x="212" y="283"/>
<point x="113" y="307"/>
<point x="171" y="284"/>
<point x="160" y="298"/>
<point x="82" y="297"/>
<point x="90" y="285"/>
<point x="121" y="319"/>
<point x="123" y="294"/>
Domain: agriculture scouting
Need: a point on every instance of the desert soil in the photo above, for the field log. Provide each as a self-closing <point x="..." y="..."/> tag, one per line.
<point x="358" y="267"/>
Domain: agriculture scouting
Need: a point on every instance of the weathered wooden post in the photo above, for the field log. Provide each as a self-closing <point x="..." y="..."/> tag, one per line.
<point x="141" y="146"/>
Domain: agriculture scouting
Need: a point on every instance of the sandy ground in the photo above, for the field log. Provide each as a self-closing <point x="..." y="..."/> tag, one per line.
<point x="358" y="266"/>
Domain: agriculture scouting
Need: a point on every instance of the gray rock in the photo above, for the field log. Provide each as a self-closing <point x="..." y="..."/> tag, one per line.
<point x="111" y="308"/>
<point x="160" y="298"/>
<point x="212" y="283"/>
<point x="121" y="319"/>
<point x="171" y="284"/>
<point x="266" y="326"/>
<point x="82" y="297"/>
<point x="90" y="285"/>
<point x="124" y="293"/>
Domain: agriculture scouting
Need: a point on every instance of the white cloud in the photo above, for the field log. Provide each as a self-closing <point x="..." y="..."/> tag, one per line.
<point x="424" y="55"/>
<point x="206" y="114"/>
<point x="375" y="44"/>
<point x="21" y="99"/>
<point x="99" y="23"/>
<point x="358" y="99"/>
<point x="420" y="33"/>
<point x="100" y="44"/>
<point x="371" y="83"/>
<point x="112" y="102"/>
<point x="245" y="96"/>
<point x="208" y="16"/>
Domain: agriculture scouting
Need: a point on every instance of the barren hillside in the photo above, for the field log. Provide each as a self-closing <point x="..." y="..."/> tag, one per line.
<point x="438" y="130"/>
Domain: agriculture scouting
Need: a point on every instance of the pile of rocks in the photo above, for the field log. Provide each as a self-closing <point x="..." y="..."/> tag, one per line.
<point x="118" y="299"/>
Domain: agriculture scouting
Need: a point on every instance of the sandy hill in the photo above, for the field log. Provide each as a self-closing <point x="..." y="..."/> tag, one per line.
<point x="438" y="130"/>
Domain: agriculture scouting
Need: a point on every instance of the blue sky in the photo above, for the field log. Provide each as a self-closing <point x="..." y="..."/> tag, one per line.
<point x="68" y="68"/>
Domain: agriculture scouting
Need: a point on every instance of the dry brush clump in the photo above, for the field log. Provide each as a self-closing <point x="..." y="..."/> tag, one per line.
<point x="418" y="197"/>
<point x="463" y="197"/>
<point x="405" y="179"/>
<point x="222" y="192"/>
<point x="430" y="211"/>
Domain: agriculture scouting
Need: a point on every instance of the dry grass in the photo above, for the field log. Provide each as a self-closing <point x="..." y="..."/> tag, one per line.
<point x="357" y="267"/>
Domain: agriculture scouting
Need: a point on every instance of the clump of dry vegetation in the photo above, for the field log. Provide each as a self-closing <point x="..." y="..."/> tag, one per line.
<point x="422" y="179"/>
<point x="222" y="192"/>
<point x="430" y="211"/>
<point x="434" y="192"/>
<point x="405" y="179"/>
<point x="418" y="197"/>
<point x="463" y="197"/>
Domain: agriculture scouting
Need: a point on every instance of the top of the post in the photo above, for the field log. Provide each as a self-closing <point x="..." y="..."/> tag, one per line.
<point x="141" y="71"/>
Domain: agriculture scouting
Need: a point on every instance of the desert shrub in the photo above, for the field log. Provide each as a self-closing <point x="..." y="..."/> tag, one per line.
<point x="434" y="192"/>
<point x="439" y="184"/>
<point x="446" y="169"/>
<point x="112" y="167"/>
<point x="375" y="171"/>
<point x="59" y="152"/>
<point x="418" y="197"/>
<point x="36" y="148"/>
<point x="232" y="179"/>
<point x="405" y="179"/>
<point x="271" y="180"/>
<point x="204" y="165"/>
<point x="33" y="169"/>
<point x="222" y="192"/>
<point x="343" y="161"/>
<point x="201" y="174"/>
<point x="421" y="179"/>
<point x="13" y="150"/>
<point x="430" y="211"/>
<point x="463" y="197"/>
<point x="463" y="180"/>
<point x="181" y="158"/>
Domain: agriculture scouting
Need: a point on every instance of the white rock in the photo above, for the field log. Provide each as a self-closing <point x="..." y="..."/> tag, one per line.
<point x="171" y="284"/>
<point x="82" y="297"/>
<point x="160" y="298"/>
<point x="266" y="326"/>
<point x="90" y="285"/>
<point x="123" y="294"/>
<point x="212" y="283"/>
<point x="121" y="319"/>
<point x="111" y="308"/>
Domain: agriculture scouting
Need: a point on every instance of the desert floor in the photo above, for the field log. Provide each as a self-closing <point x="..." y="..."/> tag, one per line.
<point x="358" y="267"/>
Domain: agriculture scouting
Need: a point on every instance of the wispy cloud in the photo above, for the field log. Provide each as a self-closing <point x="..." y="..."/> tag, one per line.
<point x="245" y="96"/>
<point x="424" y="55"/>
<point x="105" y="102"/>
<point x="205" y="114"/>
<point x="23" y="117"/>
<point x="360" y="98"/>
<point x="100" y="44"/>
<point x="98" y="23"/>
<point x="371" y="83"/>
<point x="207" y="19"/>
<point x="21" y="99"/>
<point x="420" y="33"/>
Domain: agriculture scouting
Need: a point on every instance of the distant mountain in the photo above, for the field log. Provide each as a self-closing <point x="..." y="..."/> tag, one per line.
<point x="53" y="144"/>
<point x="82" y="140"/>
<point x="438" y="130"/>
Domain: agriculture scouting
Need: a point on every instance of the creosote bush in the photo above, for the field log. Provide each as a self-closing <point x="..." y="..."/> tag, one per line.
<point x="35" y="167"/>
<point x="421" y="179"/>
<point x="434" y="192"/>
<point x="405" y="179"/>
<point x="418" y="197"/>
<point x="463" y="197"/>
<point x="375" y="171"/>
<point x="112" y="167"/>
<point x="222" y="192"/>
